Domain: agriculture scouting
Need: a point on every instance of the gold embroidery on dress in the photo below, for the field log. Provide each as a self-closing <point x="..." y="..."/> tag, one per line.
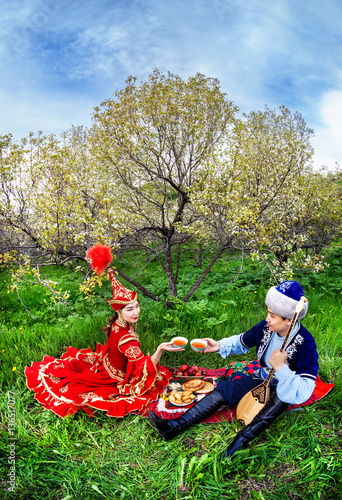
<point x="134" y="352"/>
<point x="120" y="322"/>
<point x="129" y="337"/>
<point x="112" y="371"/>
<point x="64" y="389"/>
<point x="113" y="397"/>
<point x="115" y="328"/>
<point x="57" y="365"/>
<point x="42" y="376"/>
<point x="122" y="390"/>
<point x="141" y="385"/>
<point x="89" y="357"/>
<point x="54" y="379"/>
<point x="87" y="396"/>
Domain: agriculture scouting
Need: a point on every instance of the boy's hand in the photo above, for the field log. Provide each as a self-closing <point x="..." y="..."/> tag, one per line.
<point x="212" y="345"/>
<point x="277" y="359"/>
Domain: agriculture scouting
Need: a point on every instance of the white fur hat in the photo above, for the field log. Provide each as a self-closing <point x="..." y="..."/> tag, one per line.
<point x="283" y="299"/>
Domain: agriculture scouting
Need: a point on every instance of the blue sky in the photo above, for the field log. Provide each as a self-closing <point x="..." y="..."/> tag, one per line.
<point x="60" y="58"/>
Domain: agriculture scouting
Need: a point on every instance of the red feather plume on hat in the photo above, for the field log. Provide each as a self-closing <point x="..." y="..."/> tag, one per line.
<point x="100" y="256"/>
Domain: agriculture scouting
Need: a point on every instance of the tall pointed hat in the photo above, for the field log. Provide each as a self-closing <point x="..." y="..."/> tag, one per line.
<point x="100" y="257"/>
<point x="121" y="295"/>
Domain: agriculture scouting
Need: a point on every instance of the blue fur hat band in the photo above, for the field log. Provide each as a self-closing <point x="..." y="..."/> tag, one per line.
<point x="283" y="299"/>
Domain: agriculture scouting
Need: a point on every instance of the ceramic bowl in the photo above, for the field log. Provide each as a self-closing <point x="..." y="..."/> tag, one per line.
<point x="179" y="341"/>
<point x="198" y="345"/>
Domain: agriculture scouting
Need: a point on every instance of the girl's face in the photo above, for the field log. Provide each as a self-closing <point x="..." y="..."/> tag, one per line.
<point x="130" y="313"/>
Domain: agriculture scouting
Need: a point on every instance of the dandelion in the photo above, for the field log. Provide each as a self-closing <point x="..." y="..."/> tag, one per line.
<point x="3" y="350"/>
<point x="14" y="368"/>
<point x="21" y="328"/>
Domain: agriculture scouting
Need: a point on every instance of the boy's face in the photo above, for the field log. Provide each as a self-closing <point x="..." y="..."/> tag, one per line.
<point x="277" y="324"/>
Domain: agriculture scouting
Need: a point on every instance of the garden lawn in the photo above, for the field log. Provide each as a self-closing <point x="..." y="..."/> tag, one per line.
<point x="298" y="457"/>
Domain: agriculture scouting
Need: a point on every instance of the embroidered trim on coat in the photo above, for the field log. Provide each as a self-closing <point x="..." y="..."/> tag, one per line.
<point x="292" y="348"/>
<point x="267" y="335"/>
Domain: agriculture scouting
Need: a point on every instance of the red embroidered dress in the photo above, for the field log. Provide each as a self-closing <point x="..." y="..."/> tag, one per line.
<point x="117" y="378"/>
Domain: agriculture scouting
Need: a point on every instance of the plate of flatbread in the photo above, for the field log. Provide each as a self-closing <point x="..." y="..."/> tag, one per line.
<point x="207" y="387"/>
<point x="181" y="398"/>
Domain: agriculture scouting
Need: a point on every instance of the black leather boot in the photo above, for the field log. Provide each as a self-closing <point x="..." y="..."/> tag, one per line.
<point x="272" y="409"/>
<point x="168" y="429"/>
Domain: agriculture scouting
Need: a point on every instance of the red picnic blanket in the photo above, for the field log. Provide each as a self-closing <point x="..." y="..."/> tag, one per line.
<point x="166" y="409"/>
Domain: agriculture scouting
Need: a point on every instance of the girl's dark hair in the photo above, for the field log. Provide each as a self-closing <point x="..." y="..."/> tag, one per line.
<point x="108" y="327"/>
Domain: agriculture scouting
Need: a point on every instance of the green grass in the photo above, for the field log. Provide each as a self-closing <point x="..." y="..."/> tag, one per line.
<point x="298" y="457"/>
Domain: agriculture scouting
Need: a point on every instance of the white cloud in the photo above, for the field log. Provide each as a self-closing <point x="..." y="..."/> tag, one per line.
<point x="59" y="58"/>
<point x="328" y="138"/>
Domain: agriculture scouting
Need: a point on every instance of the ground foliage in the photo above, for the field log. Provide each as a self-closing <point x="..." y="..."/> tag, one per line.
<point x="299" y="457"/>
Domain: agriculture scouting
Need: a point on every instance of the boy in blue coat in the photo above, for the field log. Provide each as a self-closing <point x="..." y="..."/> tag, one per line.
<point x="295" y="368"/>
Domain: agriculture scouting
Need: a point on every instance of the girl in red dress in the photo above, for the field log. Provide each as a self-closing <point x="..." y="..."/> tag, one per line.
<point x="117" y="378"/>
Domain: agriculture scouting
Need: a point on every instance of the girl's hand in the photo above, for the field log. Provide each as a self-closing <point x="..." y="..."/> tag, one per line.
<point x="212" y="345"/>
<point x="168" y="346"/>
<point x="164" y="346"/>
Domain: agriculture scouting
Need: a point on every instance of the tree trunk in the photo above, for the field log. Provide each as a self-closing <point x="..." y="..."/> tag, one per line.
<point x="171" y="279"/>
<point x="200" y="256"/>
<point x="204" y="274"/>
